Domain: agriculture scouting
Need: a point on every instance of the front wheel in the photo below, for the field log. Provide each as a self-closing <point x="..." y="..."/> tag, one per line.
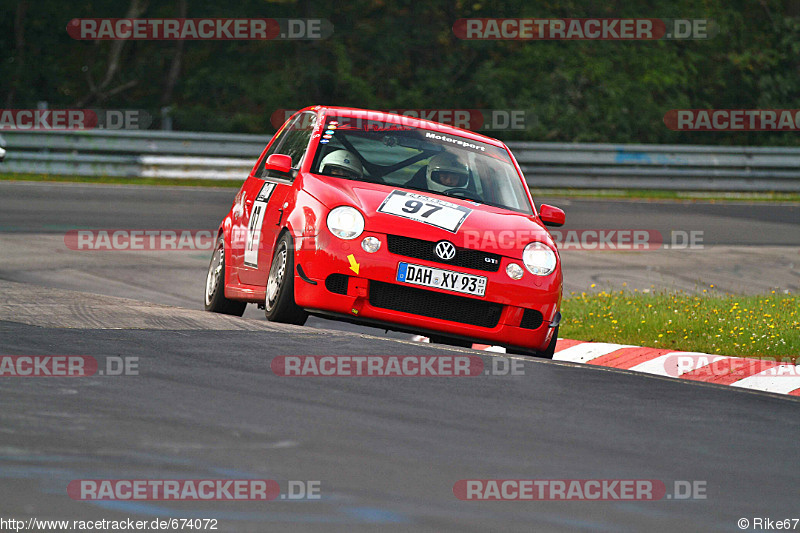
<point x="279" y="305"/>
<point x="215" y="300"/>
<point x="548" y="352"/>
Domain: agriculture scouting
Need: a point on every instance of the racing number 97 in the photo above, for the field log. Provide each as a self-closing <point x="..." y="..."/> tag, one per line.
<point x="413" y="206"/>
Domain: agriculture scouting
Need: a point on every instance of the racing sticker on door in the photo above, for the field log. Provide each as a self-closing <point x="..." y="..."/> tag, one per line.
<point x="253" y="243"/>
<point x="432" y="211"/>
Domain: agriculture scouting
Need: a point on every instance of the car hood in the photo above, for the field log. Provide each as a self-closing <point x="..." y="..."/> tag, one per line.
<point x="488" y="228"/>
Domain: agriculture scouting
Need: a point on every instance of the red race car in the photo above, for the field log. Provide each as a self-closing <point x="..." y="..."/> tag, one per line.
<point x="387" y="220"/>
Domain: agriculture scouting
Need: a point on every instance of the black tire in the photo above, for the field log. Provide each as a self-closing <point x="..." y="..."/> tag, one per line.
<point x="550" y="351"/>
<point x="546" y="354"/>
<point x="279" y="305"/>
<point x="214" y="299"/>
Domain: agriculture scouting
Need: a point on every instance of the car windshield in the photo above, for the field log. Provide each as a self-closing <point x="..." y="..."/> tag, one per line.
<point x="425" y="160"/>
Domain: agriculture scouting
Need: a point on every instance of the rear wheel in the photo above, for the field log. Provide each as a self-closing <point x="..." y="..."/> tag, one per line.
<point x="279" y="305"/>
<point x="215" y="300"/>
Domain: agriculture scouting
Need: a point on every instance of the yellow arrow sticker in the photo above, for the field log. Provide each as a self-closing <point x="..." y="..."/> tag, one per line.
<point x="353" y="264"/>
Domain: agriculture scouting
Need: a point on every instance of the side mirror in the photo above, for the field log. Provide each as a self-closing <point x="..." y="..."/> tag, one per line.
<point x="551" y="216"/>
<point x="279" y="163"/>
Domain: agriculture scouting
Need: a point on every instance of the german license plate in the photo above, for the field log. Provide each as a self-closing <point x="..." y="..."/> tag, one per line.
<point x="441" y="279"/>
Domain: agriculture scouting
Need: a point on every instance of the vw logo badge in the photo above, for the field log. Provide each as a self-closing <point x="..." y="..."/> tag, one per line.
<point x="445" y="250"/>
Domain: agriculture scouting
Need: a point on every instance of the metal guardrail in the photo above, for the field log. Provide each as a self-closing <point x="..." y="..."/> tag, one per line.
<point x="151" y="154"/>
<point x="654" y="166"/>
<point x="562" y="165"/>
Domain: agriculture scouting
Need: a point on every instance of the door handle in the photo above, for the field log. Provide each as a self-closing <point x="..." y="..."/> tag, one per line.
<point x="281" y="208"/>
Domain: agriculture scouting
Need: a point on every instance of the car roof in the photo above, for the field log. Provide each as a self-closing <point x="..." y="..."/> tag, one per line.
<point x="355" y="112"/>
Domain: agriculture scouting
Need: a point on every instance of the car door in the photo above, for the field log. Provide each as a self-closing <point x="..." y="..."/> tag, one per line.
<point x="267" y="200"/>
<point x="243" y="206"/>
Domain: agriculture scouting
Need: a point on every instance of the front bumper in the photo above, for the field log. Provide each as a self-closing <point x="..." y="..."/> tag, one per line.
<point x="507" y="315"/>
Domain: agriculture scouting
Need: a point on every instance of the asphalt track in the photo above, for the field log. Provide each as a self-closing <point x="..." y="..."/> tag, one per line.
<point x="387" y="451"/>
<point x="32" y="207"/>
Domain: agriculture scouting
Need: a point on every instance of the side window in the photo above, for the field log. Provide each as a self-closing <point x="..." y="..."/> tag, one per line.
<point x="295" y="143"/>
<point x="292" y="141"/>
<point x="280" y="136"/>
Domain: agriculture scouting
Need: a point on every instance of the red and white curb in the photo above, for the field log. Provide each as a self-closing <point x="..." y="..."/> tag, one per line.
<point x="743" y="372"/>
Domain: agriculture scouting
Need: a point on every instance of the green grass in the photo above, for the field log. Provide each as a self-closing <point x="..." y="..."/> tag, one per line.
<point x="745" y="326"/>
<point x="123" y="181"/>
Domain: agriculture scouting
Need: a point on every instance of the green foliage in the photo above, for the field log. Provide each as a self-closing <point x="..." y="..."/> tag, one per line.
<point x="403" y="54"/>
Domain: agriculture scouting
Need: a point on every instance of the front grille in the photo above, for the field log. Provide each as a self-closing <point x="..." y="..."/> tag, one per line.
<point x="531" y="319"/>
<point x="434" y="304"/>
<point x="336" y="283"/>
<point x="420" y="249"/>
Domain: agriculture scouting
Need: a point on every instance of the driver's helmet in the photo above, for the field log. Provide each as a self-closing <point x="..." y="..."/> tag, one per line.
<point x="341" y="163"/>
<point x="446" y="171"/>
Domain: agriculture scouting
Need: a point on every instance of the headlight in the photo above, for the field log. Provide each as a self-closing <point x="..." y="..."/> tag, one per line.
<point x="539" y="259"/>
<point x="345" y="222"/>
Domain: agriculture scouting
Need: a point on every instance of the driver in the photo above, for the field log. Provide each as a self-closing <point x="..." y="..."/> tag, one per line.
<point x="446" y="171"/>
<point x="341" y="163"/>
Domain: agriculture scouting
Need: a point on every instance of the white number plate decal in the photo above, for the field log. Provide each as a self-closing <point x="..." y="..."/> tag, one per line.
<point x="441" y="279"/>
<point x="439" y="213"/>
<point x="253" y="238"/>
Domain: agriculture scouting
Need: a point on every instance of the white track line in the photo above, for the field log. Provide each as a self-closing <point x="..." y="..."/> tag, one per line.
<point x="673" y="365"/>
<point x="582" y="353"/>
<point x="781" y="379"/>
